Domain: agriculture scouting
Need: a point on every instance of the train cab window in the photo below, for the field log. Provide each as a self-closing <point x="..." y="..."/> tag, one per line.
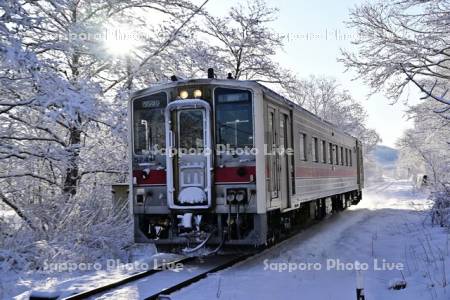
<point x="350" y="157"/>
<point x="342" y="156"/>
<point x="302" y="147"/>
<point x="336" y="152"/>
<point x="330" y="149"/>
<point x="315" y="149"/>
<point x="191" y="129"/>
<point x="324" y="152"/>
<point x="148" y="123"/>
<point x="234" y="117"/>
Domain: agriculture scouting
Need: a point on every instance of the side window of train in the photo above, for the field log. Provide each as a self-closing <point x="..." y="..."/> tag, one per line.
<point x="351" y="159"/>
<point x="346" y="157"/>
<point x="330" y="150"/>
<point x="302" y="146"/>
<point x="315" y="149"/>
<point x="324" y="152"/>
<point x="342" y="156"/>
<point x="336" y="154"/>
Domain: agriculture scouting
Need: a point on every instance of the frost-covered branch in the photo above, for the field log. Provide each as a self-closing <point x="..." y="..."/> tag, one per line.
<point x="429" y="93"/>
<point x="398" y="39"/>
<point x="35" y="176"/>
<point x="244" y="43"/>
<point x="17" y="210"/>
<point x="172" y="37"/>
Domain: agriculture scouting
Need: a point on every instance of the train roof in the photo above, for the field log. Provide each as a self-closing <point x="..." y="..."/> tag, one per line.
<point x="231" y="82"/>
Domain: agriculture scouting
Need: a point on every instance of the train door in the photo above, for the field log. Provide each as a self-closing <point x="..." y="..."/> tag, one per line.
<point x="273" y="158"/>
<point x="359" y="165"/>
<point x="279" y="162"/>
<point x="189" y="159"/>
<point x="284" y="158"/>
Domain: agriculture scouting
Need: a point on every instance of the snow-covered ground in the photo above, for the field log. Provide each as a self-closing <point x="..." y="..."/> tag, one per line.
<point x="389" y="224"/>
<point x="15" y="285"/>
<point x="388" y="230"/>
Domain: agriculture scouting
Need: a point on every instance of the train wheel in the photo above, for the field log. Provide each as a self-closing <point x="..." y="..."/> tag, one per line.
<point x="320" y="211"/>
<point x="274" y="227"/>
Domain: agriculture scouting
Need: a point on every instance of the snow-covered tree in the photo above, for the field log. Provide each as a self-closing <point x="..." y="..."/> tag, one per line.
<point x="425" y="147"/>
<point x="56" y="78"/>
<point x="62" y="106"/>
<point x="244" y="42"/>
<point x="325" y="97"/>
<point x="425" y="150"/>
<point x="241" y="44"/>
<point x="402" y="42"/>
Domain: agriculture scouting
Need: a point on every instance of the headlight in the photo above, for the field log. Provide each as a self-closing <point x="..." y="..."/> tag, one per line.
<point x="184" y="94"/>
<point x="197" y="93"/>
<point x="240" y="196"/>
<point x="231" y="196"/>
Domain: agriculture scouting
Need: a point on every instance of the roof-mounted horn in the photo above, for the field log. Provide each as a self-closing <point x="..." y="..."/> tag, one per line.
<point x="211" y="74"/>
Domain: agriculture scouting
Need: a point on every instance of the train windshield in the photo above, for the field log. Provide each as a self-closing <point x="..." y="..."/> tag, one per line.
<point x="148" y="123"/>
<point x="191" y="129"/>
<point x="234" y="117"/>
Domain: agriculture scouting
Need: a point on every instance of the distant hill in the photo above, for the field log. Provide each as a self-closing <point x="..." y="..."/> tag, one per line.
<point x="385" y="156"/>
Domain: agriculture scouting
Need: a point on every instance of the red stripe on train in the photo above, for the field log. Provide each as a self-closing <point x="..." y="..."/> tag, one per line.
<point x="225" y="175"/>
<point x="235" y="174"/>
<point x="155" y="177"/>
<point x="322" y="172"/>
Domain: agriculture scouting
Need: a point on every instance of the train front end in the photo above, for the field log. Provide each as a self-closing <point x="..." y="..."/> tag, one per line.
<point x="194" y="164"/>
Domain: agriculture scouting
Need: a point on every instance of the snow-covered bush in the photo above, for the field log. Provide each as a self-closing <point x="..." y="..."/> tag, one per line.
<point x="425" y="153"/>
<point x="397" y="284"/>
<point x="441" y="208"/>
<point x="83" y="231"/>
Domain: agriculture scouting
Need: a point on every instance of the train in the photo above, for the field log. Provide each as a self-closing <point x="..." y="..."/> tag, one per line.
<point x="232" y="162"/>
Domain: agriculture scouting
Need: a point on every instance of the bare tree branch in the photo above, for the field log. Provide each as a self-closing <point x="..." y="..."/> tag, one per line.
<point x="18" y="211"/>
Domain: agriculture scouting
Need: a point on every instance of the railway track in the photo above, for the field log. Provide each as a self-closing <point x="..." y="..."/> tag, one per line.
<point x="132" y="278"/>
<point x="165" y="280"/>
<point x="227" y="263"/>
<point x="152" y="284"/>
<point x="378" y="187"/>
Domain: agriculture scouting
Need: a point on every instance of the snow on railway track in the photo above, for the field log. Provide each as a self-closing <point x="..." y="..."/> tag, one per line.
<point x="127" y="280"/>
<point x="378" y="186"/>
<point x="165" y="278"/>
<point x="169" y="281"/>
<point x="385" y="229"/>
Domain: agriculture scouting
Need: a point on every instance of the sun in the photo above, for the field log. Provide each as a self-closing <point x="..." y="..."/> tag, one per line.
<point x="121" y="40"/>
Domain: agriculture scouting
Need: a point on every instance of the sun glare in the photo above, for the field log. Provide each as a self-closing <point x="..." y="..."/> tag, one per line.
<point x="120" y="40"/>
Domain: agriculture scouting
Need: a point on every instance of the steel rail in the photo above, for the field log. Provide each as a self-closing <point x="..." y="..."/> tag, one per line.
<point x="131" y="278"/>
<point x="198" y="277"/>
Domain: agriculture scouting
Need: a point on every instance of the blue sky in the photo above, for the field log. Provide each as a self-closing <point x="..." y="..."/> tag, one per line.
<point x="316" y="33"/>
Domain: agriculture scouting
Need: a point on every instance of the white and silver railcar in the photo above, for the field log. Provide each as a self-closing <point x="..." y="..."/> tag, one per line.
<point x="230" y="161"/>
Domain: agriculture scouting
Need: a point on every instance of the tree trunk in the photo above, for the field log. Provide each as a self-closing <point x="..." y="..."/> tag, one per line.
<point x="18" y="211"/>
<point x="72" y="171"/>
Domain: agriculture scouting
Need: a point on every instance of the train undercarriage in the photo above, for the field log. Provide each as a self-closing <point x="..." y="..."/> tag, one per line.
<point x="190" y="231"/>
